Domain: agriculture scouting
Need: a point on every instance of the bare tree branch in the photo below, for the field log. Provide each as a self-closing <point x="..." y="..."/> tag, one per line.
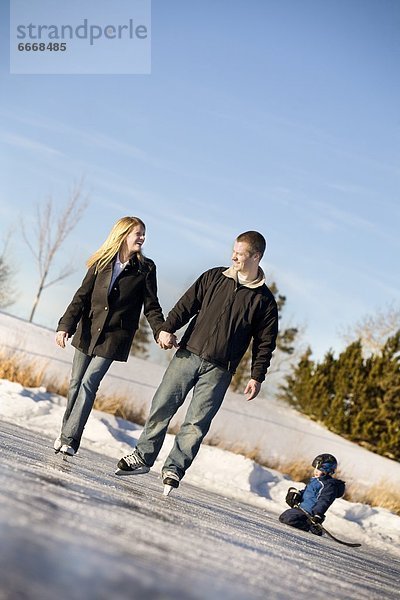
<point x="50" y="231"/>
<point x="7" y="271"/>
<point x="373" y="330"/>
<point x="63" y="274"/>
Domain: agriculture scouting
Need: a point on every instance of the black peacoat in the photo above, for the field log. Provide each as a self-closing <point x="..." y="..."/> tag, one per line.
<point x="104" y="323"/>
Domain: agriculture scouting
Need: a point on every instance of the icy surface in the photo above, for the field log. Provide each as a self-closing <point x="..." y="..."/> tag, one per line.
<point x="217" y="470"/>
<point x="71" y="529"/>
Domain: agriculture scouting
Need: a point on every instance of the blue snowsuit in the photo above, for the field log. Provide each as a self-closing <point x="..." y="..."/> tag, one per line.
<point x="316" y="498"/>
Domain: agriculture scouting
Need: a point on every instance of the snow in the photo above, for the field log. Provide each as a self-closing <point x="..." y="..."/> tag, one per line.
<point x="273" y="428"/>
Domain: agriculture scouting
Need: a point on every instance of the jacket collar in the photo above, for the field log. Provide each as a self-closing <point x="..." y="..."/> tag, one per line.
<point x="232" y="274"/>
<point x="132" y="262"/>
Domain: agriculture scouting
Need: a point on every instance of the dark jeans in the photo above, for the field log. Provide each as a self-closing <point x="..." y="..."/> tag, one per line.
<point x="296" y="518"/>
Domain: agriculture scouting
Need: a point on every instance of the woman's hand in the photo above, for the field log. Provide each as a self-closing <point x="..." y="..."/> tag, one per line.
<point x="61" y="338"/>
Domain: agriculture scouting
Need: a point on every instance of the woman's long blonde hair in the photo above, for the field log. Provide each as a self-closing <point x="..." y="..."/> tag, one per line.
<point x="113" y="243"/>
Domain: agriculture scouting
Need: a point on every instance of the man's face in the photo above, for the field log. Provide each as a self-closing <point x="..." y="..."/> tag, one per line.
<point x="242" y="260"/>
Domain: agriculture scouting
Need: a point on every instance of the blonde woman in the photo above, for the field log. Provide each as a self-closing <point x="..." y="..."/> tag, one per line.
<point x="103" y="317"/>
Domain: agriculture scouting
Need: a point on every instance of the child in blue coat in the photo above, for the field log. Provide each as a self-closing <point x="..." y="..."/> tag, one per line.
<point x="308" y="506"/>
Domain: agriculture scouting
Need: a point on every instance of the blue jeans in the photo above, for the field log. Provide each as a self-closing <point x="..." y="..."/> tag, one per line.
<point x="87" y="373"/>
<point x="209" y="383"/>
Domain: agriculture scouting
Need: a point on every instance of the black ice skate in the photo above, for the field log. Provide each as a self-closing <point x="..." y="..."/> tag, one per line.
<point x="131" y="464"/>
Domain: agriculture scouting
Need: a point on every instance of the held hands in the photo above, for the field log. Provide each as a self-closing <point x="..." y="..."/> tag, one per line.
<point x="166" y="340"/>
<point x="252" y="389"/>
<point x="61" y="338"/>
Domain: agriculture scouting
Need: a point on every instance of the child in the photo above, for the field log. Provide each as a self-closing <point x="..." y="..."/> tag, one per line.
<point x="316" y="498"/>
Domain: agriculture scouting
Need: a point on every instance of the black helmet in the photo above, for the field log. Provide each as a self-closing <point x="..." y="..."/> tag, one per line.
<point x="325" y="462"/>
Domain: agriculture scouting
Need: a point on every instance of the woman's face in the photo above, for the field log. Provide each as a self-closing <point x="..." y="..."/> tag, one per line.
<point x="135" y="239"/>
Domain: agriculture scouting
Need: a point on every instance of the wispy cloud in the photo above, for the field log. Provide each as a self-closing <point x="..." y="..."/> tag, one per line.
<point x="293" y="284"/>
<point x="349" y="188"/>
<point x="110" y="144"/>
<point x="377" y="280"/>
<point x="332" y="216"/>
<point x="26" y="143"/>
<point x="208" y="230"/>
<point x="88" y="138"/>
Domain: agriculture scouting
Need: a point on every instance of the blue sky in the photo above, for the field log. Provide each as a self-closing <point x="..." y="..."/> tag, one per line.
<point x="281" y="116"/>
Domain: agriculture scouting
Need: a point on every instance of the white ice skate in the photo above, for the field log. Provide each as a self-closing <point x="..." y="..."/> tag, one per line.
<point x="170" y="481"/>
<point x="67" y="450"/>
<point x="57" y="444"/>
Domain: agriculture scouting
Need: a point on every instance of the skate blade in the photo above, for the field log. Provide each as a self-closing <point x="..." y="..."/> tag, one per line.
<point x="121" y="472"/>
<point x="167" y="490"/>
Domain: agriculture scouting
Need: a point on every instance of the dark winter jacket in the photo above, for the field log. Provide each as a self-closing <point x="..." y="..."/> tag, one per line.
<point x="319" y="494"/>
<point x="226" y="316"/>
<point x="105" y="323"/>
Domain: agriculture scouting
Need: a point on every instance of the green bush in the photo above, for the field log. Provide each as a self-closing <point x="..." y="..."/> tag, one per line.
<point x="356" y="397"/>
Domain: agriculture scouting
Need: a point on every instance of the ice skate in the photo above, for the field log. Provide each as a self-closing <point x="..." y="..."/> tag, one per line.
<point x="67" y="450"/>
<point x="131" y="464"/>
<point x="57" y="444"/>
<point x="170" y="481"/>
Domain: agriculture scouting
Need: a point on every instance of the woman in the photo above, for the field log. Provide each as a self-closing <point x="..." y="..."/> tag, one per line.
<point x="105" y="313"/>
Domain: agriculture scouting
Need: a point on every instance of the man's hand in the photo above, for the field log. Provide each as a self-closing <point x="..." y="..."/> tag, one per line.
<point x="167" y="340"/>
<point x="252" y="389"/>
<point x="61" y="338"/>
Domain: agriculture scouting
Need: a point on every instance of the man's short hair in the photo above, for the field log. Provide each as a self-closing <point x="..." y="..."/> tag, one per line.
<point x="254" y="240"/>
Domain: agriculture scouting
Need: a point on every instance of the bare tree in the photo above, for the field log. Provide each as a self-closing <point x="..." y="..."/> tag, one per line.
<point x="50" y="232"/>
<point x="373" y="330"/>
<point x="7" y="292"/>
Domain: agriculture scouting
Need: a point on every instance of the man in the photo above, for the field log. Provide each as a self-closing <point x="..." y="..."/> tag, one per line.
<point x="227" y="308"/>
